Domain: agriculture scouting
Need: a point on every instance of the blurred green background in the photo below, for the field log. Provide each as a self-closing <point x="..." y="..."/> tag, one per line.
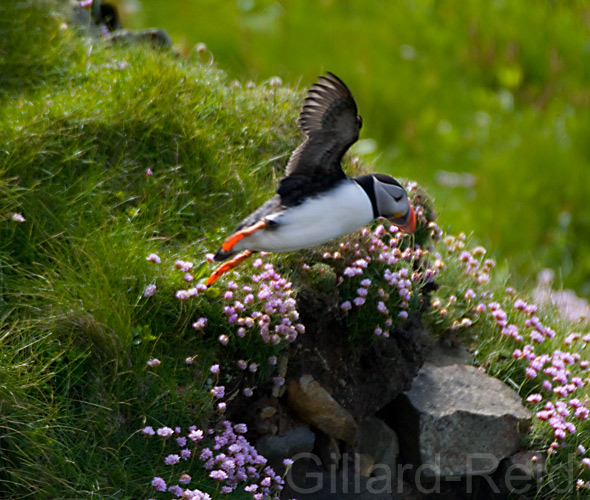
<point x="485" y="103"/>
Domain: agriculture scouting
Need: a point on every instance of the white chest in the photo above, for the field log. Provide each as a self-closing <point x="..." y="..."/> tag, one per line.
<point x="316" y="221"/>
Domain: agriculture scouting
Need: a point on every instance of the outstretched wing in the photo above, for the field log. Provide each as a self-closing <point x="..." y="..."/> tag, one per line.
<point x="330" y="122"/>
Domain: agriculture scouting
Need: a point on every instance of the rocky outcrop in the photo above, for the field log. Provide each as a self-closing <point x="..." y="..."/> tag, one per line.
<point x="457" y="421"/>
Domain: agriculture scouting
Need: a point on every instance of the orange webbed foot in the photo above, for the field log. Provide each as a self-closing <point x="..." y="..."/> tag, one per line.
<point x="227" y="266"/>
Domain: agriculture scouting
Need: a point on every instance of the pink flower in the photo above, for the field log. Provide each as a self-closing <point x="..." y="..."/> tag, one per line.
<point x="240" y="428"/>
<point x="218" y="391"/>
<point x="586" y="462"/>
<point x="172" y="459"/>
<point x="480" y="308"/>
<point x="534" y="398"/>
<point x="200" y="324"/>
<point x="154" y="362"/>
<point x="18" y="218"/>
<point x="165" y="432"/>
<point x="183" y="266"/>
<point x="218" y="475"/>
<point x="84" y="4"/>
<point x="153" y="258"/>
<point x="214" y="369"/>
<point x="196" y="435"/>
<point x="150" y="290"/>
<point x="159" y="484"/>
<point x="148" y="431"/>
<point x="184" y="479"/>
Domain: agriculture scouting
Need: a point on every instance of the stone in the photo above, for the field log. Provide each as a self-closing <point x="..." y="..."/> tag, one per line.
<point x="156" y="37"/>
<point x="521" y="472"/>
<point x="314" y="406"/>
<point x="366" y="463"/>
<point x="344" y="483"/>
<point x="380" y="441"/>
<point x="289" y="444"/>
<point x="328" y="450"/>
<point x="457" y="421"/>
<point x="268" y="412"/>
<point x="363" y="377"/>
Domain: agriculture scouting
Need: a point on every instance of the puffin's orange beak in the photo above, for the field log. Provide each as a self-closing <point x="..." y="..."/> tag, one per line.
<point x="410" y="225"/>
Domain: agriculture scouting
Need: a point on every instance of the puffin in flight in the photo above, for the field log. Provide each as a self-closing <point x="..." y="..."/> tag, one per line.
<point x="316" y="201"/>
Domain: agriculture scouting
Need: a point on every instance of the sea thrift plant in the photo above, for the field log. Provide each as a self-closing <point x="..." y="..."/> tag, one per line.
<point x="381" y="273"/>
<point x="550" y="361"/>
<point x="224" y="454"/>
<point x="382" y="278"/>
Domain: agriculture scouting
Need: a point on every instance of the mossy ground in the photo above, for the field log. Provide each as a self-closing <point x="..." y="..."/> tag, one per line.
<point x="81" y="124"/>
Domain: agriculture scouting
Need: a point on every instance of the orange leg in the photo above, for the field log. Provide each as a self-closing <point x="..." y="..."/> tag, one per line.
<point x="238" y="235"/>
<point x="226" y="266"/>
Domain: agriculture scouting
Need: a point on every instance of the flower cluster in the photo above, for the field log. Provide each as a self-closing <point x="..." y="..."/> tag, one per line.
<point x="549" y="360"/>
<point x="265" y="305"/>
<point x="227" y="456"/>
<point x="384" y="256"/>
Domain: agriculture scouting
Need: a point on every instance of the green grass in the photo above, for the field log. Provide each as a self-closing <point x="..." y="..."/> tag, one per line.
<point x="495" y="89"/>
<point x="80" y="124"/>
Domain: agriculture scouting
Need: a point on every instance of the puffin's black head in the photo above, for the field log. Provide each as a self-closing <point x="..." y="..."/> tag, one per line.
<point x="392" y="202"/>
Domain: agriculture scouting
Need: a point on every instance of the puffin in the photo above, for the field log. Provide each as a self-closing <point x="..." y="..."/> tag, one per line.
<point x="316" y="201"/>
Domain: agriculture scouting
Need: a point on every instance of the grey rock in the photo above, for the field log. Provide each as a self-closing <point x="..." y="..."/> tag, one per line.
<point x="296" y="444"/>
<point x="521" y="472"/>
<point x="328" y="450"/>
<point x="457" y="421"/>
<point x="156" y="37"/>
<point x="379" y="441"/>
<point x="345" y="483"/>
<point x="289" y="444"/>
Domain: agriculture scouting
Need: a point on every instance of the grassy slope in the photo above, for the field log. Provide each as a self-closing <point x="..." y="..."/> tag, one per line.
<point x="495" y="89"/>
<point x="80" y="125"/>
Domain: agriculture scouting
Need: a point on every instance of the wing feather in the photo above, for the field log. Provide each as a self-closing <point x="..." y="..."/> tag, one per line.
<point x="331" y="125"/>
